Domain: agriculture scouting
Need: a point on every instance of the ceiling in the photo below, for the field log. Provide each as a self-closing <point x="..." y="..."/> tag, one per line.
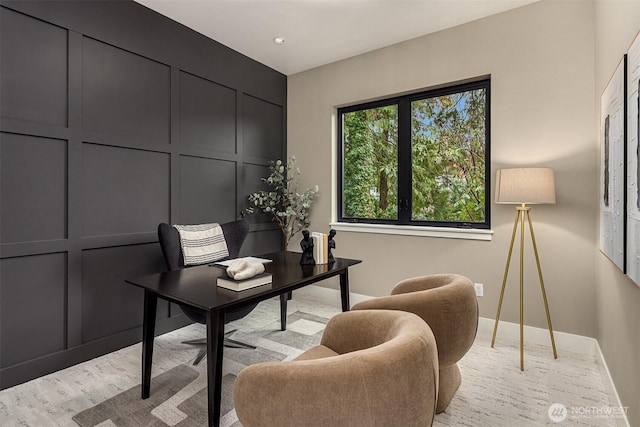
<point x="319" y="32"/>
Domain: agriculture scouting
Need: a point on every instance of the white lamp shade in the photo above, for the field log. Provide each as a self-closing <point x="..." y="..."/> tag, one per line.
<point x="525" y="185"/>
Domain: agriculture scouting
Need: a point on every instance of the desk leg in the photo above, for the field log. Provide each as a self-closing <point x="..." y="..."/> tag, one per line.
<point x="283" y="311"/>
<point x="215" y="346"/>
<point x="344" y="290"/>
<point x="148" y="330"/>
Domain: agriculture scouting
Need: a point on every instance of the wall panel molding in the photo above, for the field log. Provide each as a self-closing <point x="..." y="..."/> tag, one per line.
<point x="32" y="307"/>
<point x="263" y="128"/>
<point x="124" y="190"/>
<point x="38" y="95"/>
<point x="33" y="188"/>
<point x="124" y="93"/>
<point x="114" y="118"/>
<point x="207" y="114"/>
<point x="121" y="24"/>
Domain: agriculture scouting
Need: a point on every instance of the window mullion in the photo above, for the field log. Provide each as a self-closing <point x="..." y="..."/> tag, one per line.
<point x="404" y="161"/>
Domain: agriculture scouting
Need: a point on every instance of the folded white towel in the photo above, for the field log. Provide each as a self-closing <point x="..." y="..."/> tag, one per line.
<point x="241" y="269"/>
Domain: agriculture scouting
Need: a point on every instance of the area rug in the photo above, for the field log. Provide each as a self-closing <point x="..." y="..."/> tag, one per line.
<point x="178" y="397"/>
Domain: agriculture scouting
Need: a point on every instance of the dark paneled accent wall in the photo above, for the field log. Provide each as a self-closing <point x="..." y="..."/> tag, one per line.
<point x="113" y="119"/>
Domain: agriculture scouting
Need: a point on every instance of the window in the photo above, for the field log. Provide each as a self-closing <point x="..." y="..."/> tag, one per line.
<point x="419" y="159"/>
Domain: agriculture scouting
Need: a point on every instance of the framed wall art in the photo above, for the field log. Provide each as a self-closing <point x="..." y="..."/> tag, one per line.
<point x="612" y="167"/>
<point x="633" y="162"/>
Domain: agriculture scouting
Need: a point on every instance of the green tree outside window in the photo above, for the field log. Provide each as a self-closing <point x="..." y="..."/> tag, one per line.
<point x="443" y="136"/>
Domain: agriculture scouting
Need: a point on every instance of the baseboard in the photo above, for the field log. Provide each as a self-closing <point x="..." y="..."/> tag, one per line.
<point x="330" y="296"/>
<point x="506" y="330"/>
<point x="609" y="385"/>
<point x="510" y="332"/>
<point x="11" y="376"/>
<point x="564" y="341"/>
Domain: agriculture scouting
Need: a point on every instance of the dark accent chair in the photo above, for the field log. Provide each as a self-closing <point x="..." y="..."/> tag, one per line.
<point x="235" y="233"/>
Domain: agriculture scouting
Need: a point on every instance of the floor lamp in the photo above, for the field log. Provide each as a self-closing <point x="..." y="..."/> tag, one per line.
<point x="524" y="186"/>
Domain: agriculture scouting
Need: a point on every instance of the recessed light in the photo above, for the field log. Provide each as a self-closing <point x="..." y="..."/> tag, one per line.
<point x="278" y="40"/>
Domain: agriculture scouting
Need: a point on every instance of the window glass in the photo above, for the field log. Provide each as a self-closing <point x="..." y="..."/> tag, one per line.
<point x="370" y="175"/>
<point x="448" y="157"/>
<point x="418" y="159"/>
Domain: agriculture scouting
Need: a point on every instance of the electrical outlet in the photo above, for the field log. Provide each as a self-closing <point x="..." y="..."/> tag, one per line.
<point x="479" y="289"/>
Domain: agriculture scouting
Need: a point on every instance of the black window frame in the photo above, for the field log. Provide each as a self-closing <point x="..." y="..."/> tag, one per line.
<point x="404" y="155"/>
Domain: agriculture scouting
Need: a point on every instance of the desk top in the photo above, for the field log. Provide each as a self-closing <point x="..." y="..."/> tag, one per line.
<point x="197" y="287"/>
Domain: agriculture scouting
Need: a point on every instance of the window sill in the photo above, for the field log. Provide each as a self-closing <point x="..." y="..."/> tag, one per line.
<point x="409" y="230"/>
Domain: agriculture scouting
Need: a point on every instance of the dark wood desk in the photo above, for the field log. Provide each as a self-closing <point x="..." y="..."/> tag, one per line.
<point x="196" y="288"/>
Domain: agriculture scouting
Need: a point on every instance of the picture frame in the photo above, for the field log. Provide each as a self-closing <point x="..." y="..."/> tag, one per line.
<point x="613" y="167"/>
<point x="633" y="162"/>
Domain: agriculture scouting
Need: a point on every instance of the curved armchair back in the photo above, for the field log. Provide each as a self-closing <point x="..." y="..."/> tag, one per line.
<point x="448" y="304"/>
<point x="372" y="368"/>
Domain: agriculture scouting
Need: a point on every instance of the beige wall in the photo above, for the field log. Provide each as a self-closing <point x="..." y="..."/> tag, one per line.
<point x="617" y="298"/>
<point x="540" y="58"/>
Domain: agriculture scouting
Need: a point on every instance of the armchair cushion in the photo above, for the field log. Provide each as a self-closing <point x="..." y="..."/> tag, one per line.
<point x="234" y="232"/>
<point x="202" y="243"/>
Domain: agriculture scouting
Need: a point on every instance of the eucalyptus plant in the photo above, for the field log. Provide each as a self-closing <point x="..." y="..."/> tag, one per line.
<point x="287" y="206"/>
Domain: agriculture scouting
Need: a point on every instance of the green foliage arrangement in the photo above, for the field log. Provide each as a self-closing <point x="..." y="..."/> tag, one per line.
<point x="287" y="206"/>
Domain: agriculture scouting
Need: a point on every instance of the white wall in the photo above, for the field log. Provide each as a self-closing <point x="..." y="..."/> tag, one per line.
<point x="541" y="61"/>
<point x="617" y="298"/>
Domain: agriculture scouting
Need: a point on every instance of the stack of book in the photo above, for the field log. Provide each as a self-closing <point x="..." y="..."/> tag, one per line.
<point x="240" y="285"/>
<point x="320" y="247"/>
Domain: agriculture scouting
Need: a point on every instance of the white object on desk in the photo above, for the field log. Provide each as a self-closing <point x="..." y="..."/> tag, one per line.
<point x="228" y="262"/>
<point x="242" y="269"/>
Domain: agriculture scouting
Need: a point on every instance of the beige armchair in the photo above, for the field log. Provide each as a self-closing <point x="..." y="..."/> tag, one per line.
<point x="448" y="304"/>
<point x="372" y="368"/>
